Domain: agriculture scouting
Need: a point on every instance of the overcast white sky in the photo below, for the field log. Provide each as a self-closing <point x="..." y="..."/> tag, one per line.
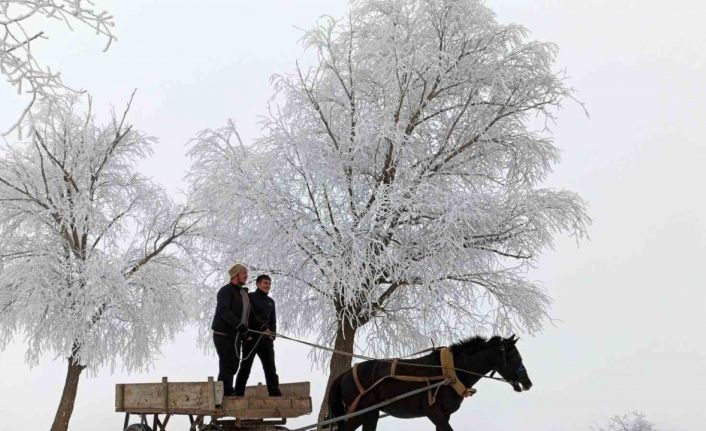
<point x="628" y="303"/>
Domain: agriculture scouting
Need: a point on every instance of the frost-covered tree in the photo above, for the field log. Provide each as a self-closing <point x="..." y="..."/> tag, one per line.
<point x="19" y="30"/>
<point x="397" y="188"/>
<point x="634" y="421"/>
<point x="93" y="255"/>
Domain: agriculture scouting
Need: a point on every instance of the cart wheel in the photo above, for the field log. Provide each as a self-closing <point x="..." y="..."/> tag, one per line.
<point x="138" y="427"/>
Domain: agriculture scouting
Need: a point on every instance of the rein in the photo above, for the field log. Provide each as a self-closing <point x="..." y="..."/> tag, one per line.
<point x="369" y="358"/>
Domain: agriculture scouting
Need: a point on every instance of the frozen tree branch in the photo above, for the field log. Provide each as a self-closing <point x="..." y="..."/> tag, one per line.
<point x="17" y="61"/>
<point x="634" y="421"/>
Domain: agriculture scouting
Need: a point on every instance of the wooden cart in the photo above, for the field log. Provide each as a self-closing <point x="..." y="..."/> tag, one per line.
<point x="207" y="408"/>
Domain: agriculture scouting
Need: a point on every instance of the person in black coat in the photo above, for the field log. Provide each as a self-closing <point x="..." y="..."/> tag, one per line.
<point x="230" y="324"/>
<point x="263" y="308"/>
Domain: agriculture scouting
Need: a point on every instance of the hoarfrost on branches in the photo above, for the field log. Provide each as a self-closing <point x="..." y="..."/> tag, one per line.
<point x="634" y="421"/>
<point x="396" y="190"/>
<point x="92" y="253"/>
<point x="17" y="35"/>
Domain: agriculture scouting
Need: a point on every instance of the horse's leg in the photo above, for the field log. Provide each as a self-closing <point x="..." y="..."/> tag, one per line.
<point x="352" y="424"/>
<point x="440" y="420"/>
<point x="370" y="420"/>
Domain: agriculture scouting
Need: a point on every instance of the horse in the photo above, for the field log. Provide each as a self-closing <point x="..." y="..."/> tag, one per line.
<point x="375" y="381"/>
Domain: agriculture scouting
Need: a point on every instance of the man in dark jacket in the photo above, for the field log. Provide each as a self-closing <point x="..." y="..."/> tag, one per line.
<point x="230" y="324"/>
<point x="263" y="308"/>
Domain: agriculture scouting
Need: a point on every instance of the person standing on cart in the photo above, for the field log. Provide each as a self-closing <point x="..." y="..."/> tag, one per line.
<point x="230" y="324"/>
<point x="263" y="309"/>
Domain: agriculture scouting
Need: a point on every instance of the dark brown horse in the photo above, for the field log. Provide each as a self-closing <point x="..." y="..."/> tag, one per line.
<point x="477" y="356"/>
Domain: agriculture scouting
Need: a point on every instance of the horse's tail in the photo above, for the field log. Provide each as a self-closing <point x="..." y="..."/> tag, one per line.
<point x="336" y="408"/>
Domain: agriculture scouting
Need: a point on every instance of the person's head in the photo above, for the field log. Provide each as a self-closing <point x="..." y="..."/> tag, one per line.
<point x="238" y="274"/>
<point x="263" y="282"/>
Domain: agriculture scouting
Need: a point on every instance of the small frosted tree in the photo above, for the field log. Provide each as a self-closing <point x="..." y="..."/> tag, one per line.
<point x="18" y="21"/>
<point x="634" y="421"/>
<point x="93" y="256"/>
<point x="396" y="190"/>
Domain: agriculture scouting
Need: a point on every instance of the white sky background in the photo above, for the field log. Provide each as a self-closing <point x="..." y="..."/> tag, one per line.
<point x="628" y="303"/>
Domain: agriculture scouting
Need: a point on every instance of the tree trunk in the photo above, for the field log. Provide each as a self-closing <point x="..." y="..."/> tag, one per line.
<point x="68" y="397"/>
<point x="345" y="336"/>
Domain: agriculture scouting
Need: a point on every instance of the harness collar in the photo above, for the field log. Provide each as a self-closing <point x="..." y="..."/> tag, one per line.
<point x="449" y="372"/>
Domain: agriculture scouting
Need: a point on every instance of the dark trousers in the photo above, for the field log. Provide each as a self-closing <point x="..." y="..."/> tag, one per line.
<point x="227" y="361"/>
<point x="264" y="349"/>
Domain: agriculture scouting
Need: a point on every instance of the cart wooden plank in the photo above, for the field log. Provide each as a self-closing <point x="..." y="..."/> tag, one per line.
<point x="168" y="396"/>
<point x="256" y="404"/>
<point x="253" y="407"/>
<point x="201" y="398"/>
<point x="295" y="389"/>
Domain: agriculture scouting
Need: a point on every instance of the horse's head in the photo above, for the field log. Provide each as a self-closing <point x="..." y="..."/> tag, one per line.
<point x="508" y="363"/>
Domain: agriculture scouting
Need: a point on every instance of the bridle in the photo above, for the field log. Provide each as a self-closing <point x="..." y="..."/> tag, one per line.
<point x="504" y="365"/>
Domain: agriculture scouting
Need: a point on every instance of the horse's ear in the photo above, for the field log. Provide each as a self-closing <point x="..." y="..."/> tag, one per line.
<point x="513" y="339"/>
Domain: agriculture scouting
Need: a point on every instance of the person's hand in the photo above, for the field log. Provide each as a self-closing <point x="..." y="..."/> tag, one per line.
<point x="269" y="334"/>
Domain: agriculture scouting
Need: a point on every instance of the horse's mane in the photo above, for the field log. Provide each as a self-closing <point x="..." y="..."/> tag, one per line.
<point x="475" y="344"/>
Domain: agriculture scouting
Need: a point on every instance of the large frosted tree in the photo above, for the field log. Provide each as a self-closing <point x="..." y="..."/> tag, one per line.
<point x="93" y="255"/>
<point x="396" y="191"/>
<point x="20" y="30"/>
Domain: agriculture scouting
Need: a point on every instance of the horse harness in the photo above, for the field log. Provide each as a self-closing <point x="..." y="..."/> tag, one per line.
<point x="448" y="373"/>
<point x="520" y="369"/>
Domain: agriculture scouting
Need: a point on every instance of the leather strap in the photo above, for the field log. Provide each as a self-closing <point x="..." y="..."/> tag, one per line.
<point x="361" y="389"/>
<point x="447" y="367"/>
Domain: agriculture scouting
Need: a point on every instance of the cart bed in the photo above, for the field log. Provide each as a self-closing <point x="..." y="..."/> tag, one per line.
<point x="206" y="399"/>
